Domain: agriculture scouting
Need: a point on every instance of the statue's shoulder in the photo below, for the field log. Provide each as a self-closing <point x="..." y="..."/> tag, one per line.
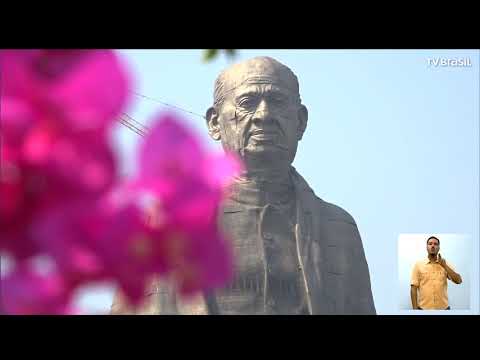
<point x="319" y="206"/>
<point x="335" y="213"/>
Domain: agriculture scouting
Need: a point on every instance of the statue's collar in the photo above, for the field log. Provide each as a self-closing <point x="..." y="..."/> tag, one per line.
<point x="261" y="192"/>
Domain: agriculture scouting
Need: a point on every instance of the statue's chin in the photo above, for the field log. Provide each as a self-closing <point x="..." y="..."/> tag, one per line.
<point x="263" y="151"/>
<point x="265" y="148"/>
<point x="265" y="156"/>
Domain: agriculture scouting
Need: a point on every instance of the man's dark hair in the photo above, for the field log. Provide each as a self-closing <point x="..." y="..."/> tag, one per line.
<point x="434" y="237"/>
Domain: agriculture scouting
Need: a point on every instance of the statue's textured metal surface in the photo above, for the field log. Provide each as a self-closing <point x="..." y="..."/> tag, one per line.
<point x="295" y="253"/>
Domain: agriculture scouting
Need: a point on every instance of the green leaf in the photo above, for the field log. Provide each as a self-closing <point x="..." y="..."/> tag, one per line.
<point x="209" y="54"/>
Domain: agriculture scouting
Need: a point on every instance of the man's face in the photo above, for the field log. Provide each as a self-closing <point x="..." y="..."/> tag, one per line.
<point x="260" y="122"/>
<point x="433" y="247"/>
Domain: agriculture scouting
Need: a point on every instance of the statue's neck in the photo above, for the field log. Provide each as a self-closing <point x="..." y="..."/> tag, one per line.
<point x="278" y="176"/>
<point x="261" y="188"/>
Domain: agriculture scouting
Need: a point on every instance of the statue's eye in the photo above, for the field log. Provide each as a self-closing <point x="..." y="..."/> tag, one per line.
<point x="248" y="102"/>
<point x="278" y="101"/>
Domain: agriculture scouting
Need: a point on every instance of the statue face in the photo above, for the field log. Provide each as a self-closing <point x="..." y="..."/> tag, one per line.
<point x="262" y="121"/>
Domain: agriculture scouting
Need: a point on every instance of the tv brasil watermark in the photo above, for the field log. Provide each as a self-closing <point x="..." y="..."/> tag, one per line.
<point x="449" y="62"/>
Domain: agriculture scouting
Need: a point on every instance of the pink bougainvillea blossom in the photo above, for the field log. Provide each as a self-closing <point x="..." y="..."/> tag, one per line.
<point x="26" y="292"/>
<point x="61" y="195"/>
<point x="85" y="88"/>
<point x="189" y="183"/>
<point x="56" y="108"/>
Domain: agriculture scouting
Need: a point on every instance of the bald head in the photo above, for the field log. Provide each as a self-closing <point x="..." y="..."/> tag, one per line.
<point x="258" y="114"/>
<point x="258" y="70"/>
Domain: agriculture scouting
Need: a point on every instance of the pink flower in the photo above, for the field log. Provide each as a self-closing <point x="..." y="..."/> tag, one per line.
<point x="85" y="88"/>
<point x="56" y="177"/>
<point x="205" y="264"/>
<point x="133" y="251"/>
<point x="80" y="171"/>
<point x="56" y="108"/>
<point x="187" y="179"/>
<point x="68" y="233"/>
<point x="188" y="184"/>
<point x="25" y="292"/>
<point x="19" y="189"/>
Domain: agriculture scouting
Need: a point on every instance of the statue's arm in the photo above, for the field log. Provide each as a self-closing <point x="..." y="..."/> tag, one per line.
<point x="361" y="276"/>
<point x="361" y="301"/>
<point x="356" y="272"/>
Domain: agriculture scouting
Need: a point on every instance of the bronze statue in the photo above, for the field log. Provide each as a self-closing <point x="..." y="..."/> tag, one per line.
<point x="294" y="253"/>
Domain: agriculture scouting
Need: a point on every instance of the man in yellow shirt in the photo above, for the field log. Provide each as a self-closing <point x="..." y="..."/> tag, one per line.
<point x="429" y="279"/>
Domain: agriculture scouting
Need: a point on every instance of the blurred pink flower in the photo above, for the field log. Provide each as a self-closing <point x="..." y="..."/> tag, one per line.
<point x="56" y="108"/>
<point x="67" y="234"/>
<point x="206" y="262"/>
<point x="188" y="183"/>
<point x="134" y="250"/>
<point x="29" y="192"/>
<point x="27" y="292"/>
<point x="86" y="89"/>
<point x="131" y="250"/>
<point x="188" y="180"/>
<point x="61" y="197"/>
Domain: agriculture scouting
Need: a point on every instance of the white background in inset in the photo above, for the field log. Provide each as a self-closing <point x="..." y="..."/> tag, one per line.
<point x="455" y="248"/>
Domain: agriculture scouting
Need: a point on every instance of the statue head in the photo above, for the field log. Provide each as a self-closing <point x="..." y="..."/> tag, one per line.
<point x="257" y="113"/>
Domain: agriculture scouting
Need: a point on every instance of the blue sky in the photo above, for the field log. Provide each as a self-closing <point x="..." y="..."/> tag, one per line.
<point x="390" y="139"/>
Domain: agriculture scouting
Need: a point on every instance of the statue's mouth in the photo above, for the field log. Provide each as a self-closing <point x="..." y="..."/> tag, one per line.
<point x="262" y="135"/>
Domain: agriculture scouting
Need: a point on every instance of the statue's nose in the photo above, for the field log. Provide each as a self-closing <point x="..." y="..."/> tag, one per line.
<point x="262" y="112"/>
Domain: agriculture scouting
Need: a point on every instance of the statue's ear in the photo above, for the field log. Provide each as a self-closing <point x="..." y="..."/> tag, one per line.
<point x="302" y="121"/>
<point x="212" y="124"/>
